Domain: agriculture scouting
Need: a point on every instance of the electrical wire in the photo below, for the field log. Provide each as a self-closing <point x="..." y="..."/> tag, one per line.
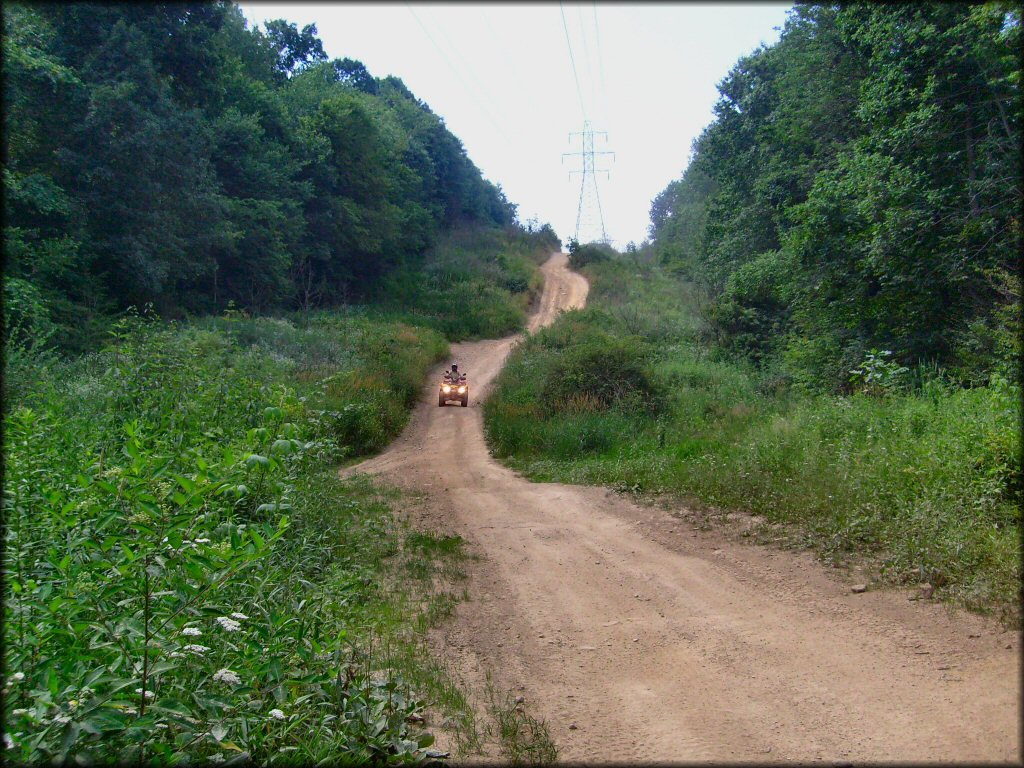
<point x="590" y="80"/>
<point x="486" y="113"/>
<point x="481" y="88"/>
<point x="600" y="62"/>
<point x="572" y="60"/>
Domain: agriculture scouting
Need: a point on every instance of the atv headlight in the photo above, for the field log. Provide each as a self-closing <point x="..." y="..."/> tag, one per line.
<point x="446" y="388"/>
<point x="462" y="390"/>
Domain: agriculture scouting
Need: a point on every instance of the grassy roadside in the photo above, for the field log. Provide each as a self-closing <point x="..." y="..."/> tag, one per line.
<point x="186" y="574"/>
<point x="186" y="577"/>
<point x="924" y="479"/>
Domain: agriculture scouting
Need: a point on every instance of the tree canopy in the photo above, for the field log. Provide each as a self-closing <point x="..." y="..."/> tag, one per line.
<point x="859" y="189"/>
<point x="169" y="154"/>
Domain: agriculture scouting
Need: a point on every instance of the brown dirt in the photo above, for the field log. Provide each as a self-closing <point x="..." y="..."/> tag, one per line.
<point x="663" y="642"/>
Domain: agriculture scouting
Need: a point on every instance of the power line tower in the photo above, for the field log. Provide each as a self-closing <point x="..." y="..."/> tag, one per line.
<point x="589" y="219"/>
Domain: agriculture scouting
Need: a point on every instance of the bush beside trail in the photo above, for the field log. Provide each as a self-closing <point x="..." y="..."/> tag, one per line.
<point x="911" y="470"/>
<point x="580" y="255"/>
<point x="188" y="578"/>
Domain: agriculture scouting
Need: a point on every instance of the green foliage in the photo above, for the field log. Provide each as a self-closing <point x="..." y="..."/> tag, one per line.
<point x="474" y="283"/>
<point x="600" y="372"/>
<point x="26" y="315"/>
<point x="186" y="576"/>
<point x="295" y="50"/>
<point x="28" y="331"/>
<point x="878" y="374"/>
<point x="179" y="158"/>
<point x="858" y="190"/>
<point x="523" y="739"/>
<point x="918" y="473"/>
<point x="588" y="253"/>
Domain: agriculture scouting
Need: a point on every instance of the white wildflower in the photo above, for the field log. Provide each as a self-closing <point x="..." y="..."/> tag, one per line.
<point x="149" y="694"/>
<point x="227" y="676"/>
<point x="215" y="759"/>
<point x="192" y="631"/>
<point x="175" y="654"/>
<point x="161" y="726"/>
<point x="229" y="625"/>
<point x="131" y="711"/>
<point x="8" y="741"/>
<point x="202" y="541"/>
<point x="239" y="616"/>
<point x="193" y="648"/>
<point x="277" y="714"/>
<point x="19" y="712"/>
<point x="18" y="677"/>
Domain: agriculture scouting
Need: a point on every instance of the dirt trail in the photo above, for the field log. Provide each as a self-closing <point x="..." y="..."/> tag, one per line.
<point x="660" y="642"/>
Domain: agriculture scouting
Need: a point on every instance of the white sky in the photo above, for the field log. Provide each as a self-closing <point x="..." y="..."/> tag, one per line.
<point x="500" y="76"/>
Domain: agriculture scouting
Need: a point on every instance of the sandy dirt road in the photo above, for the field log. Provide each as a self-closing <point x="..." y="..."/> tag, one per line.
<point x="637" y="636"/>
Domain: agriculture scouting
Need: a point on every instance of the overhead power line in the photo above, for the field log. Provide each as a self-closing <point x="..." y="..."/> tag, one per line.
<point x="590" y="79"/>
<point x="600" y="61"/>
<point x="466" y="67"/>
<point x="572" y="60"/>
<point x="483" y="110"/>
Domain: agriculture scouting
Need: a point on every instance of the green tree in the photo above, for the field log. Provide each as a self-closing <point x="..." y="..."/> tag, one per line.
<point x="295" y="49"/>
<point x="858" y="190"/>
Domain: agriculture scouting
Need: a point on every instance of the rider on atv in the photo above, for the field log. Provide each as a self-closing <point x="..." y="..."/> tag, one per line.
<point x="453" y="376"/>
<point x="453" y="387"/>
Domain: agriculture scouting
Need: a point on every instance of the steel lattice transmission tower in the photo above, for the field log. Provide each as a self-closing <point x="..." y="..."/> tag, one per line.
<point x="589" y="219"/>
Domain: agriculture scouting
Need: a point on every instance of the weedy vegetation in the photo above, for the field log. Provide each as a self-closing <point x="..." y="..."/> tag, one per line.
<point x="522" y="738"/>
<point x="909" y="468"/>
<point x="475" y="283"/>
<point x="187" y="577"/>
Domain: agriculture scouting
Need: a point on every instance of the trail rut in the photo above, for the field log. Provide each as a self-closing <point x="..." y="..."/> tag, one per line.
<point x="662" y="642"/>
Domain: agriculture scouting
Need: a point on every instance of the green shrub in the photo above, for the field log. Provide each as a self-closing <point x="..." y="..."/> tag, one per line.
<point x="601" y="373"/>
<point x="475" y="283"/>
<point x="186" y="576"/>
<point x="591" y="253"/>
<point x="921" y="473"/>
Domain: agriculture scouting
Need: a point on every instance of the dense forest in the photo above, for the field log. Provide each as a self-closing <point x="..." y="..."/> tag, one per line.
<point x="167" y="154"/>
<point x="857" y="197"/>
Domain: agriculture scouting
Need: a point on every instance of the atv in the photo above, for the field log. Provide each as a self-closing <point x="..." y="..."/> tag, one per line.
<point x="453" y="390"/>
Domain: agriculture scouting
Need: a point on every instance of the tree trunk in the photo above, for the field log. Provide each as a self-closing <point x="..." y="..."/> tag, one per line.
<point x="972" y="175"/>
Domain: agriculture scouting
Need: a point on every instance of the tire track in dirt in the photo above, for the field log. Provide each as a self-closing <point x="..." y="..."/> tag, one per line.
<point x="658" y="641"/>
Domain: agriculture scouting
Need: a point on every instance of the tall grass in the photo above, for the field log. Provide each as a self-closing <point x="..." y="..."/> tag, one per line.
<point x="925" y="479"/>
<point x="475" y="283"/>
<point x="186" y="578"/>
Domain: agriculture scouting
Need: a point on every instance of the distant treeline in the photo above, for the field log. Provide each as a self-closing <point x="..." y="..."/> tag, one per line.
<point x="860" y="189"/>
<point x="166" y="153"/>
